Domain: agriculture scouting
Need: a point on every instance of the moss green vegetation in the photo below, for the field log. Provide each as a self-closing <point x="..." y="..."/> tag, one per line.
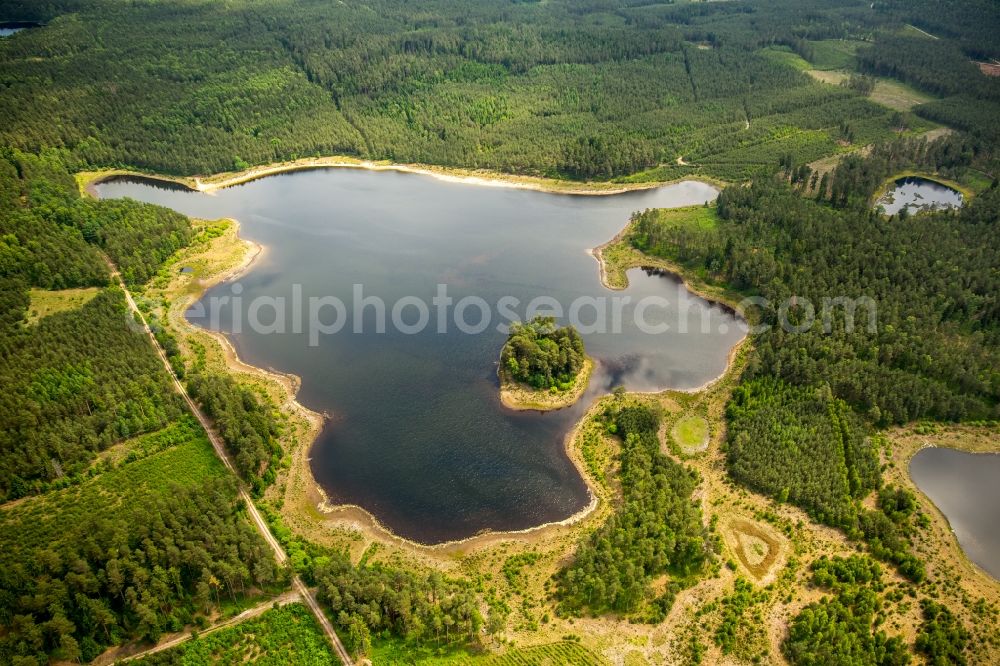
<point x="799" y="422"/>
<point x="691" y="433"/>
<point x="698" y="218"/>
<point x="830" y="54"/>
<point x="285" y="635"/>
<point x="423" y="607"/>
<point x="45" y="302"/>
<point x="740" y="610"/>
<point x="942" y="638"/>
<point x="594" y="91"/>
<point x="779" y="431"/>
<point x="177" y="456"/>
<point x="561" y="652"/>
<point x="245" y="424"/>
<point x="119" y="523"/>
<point x="76" y="383"/>
<point x="133" y="527"/>
<point x="785" y="56"/>
<point x="845" y="628"/>
<point x="971" y="100"/>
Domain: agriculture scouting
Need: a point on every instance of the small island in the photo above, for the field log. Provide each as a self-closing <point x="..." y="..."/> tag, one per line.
<point x="542" y="366"/>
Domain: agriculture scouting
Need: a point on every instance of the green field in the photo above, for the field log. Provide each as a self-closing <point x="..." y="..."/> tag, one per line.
<point x="702" y="218"/>
<point x="888" y="92"/>
<point x="552" y="654"/>
<point x="44" y="519"/>
<point x="785" y="56"/>
<point x="45" y="302"/>
<point x="283" y="635"/>
<point x="690" y="433"/>
<point x="834" y="53"/>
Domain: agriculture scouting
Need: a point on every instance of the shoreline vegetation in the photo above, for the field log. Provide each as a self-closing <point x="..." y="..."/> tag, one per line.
<point x="617" y="257"/>
<point x="359" y="526"/>
<point x="212" y="183"/>
<point x="521" y="397"/>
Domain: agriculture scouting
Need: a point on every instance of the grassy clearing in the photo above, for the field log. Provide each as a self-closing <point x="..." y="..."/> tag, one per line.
<point x="785" y="56"/>
<point x="888" y="92"/>
<point x="283" y="635"/>
<point x="691" y="433"/>
<point x="37" y="520"/>
<point x="618" y="256"/>
<point x="560" y="652"/>
<point x="897" y="95"/>
<point x="834" y="53"/>
<point x="703" y="218"/>
<point x="45" y="302"/>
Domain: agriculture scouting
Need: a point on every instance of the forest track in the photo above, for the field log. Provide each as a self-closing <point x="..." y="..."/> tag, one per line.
<point x="252" y="612"/>
<point x="279" y="552"/>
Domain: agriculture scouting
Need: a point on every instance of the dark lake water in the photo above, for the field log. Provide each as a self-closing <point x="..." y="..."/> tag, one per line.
<point x="418" y="436"/>
<point x="9" y="28"/>
<point x="964" y="486"/>
<point x="917" y="195"/>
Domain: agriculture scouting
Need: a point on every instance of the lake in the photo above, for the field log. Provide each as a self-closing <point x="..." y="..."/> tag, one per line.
<point x="10" y="27"/>
<point x="917" y="195"/>
<point x="964" y="487"/>
<point x="418" y="436"/>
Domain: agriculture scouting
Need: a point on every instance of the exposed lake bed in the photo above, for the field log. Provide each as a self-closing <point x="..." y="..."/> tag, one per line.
<point x="419" y="439"/>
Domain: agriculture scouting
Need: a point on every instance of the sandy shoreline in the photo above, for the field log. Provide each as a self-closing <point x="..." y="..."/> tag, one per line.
<point x="521" y="397"/>
<point x="87" y="180"/>
<point x="350" y="516"/>
<point x="980" y="440"/>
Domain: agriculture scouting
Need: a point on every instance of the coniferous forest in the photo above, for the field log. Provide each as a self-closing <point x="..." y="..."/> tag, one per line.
<point x="119" y="525"/>
<point x="566" y="89"/>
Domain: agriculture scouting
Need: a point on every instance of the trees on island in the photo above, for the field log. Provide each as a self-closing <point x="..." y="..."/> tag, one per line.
<point x="541" y="355"/>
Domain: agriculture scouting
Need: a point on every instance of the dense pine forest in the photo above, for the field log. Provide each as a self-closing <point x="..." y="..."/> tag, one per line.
<point x="581" y="90"/>
<point x="117" y="522"/>
<point x="656" y="531"/>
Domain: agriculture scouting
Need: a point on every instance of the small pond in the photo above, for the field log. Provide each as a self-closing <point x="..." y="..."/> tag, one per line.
<point x="918" y="195"/>
<point x="964" y="487"/>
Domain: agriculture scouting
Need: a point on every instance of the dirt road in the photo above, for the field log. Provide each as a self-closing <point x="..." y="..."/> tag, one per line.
<point x="258" y="520"/>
